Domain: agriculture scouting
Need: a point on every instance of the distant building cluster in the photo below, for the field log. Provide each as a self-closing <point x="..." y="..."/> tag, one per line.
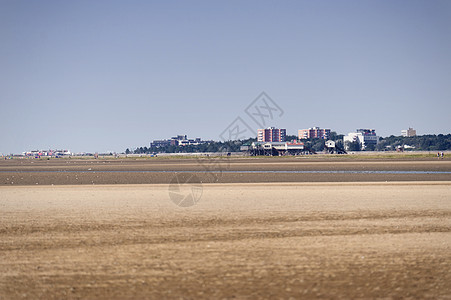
<point x="272" y="134"/>
<point x="314" y="133"/>
<point x="47" y="153"/>
<point x="408" y="132"/>
<point x="366" y="139"/>
<point x="179" y="140"/>
<point x="274" y="140"/>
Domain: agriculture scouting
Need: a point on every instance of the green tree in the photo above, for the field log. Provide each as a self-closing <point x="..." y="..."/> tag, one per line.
<point x="289" y="138"/>
<point x="353" y="146"/>
<point x="335" y="136"/>
<point x="370" y="147"/>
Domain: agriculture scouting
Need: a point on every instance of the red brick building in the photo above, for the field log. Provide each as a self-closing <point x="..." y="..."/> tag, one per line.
<point x="271" y="134"/>
<point x="314" y="133"/>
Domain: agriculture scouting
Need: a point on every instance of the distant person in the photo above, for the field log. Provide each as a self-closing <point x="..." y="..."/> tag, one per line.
<point x="443" y="155"/>
<point x="438" y="155"/>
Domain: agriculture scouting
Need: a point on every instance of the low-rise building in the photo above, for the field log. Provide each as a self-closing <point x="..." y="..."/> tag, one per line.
<point x="179" y="140"/>
<point x="52" y="153"/>
<point x="275" y="148"/>
<point x="160" y="143"/>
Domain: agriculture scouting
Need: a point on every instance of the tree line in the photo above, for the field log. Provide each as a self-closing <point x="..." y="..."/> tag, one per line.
<point x="229" y="146"/>
<point x="429" y="142"/>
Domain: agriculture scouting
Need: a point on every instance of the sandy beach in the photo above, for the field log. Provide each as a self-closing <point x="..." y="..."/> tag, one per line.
<point x="330" y="239"/>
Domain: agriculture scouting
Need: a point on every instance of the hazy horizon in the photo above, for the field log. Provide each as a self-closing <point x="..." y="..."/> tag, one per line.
<point x="110" y="75"/>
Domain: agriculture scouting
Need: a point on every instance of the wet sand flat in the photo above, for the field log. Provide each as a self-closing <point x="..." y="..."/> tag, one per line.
<point x="218" y="170"/>
<point x="224" y="163"/>
<point x="241" y="240"/>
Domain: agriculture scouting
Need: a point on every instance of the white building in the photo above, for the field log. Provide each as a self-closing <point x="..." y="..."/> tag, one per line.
<point x="364" y="137"/>
<point x="408" y="132"/>
<point x="47" y="153"/>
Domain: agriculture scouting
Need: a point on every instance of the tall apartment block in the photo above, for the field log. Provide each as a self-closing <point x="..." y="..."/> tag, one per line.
<point x="271" y="134"/>
<point x="314" y="133"/>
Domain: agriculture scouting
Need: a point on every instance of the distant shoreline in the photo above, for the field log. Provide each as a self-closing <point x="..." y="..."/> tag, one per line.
<point x="240" y="155"/>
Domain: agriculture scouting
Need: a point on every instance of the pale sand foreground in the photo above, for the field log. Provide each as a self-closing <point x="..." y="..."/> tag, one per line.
<point x="344" y="240"/>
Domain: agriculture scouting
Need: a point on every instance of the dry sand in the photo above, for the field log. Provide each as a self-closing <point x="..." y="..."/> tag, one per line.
<point x="245" y="241"/>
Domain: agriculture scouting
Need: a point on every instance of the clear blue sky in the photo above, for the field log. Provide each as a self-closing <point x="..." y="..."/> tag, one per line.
<point x="107" y="75"/>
